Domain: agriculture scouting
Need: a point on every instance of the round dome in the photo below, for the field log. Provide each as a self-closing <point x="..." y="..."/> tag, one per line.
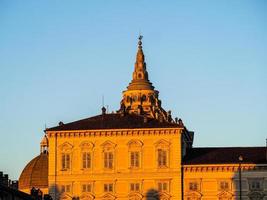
<point x="35" y="174"/>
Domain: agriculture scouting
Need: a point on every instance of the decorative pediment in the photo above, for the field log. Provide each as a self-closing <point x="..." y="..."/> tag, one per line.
<point x="108" y="145"/>
<point x="164" y="196"/>
<point x="135" y="196"/>
<point x="65" y="146"/>
<point x="225" y="195"/>
<point x="193" y="195"/>
<point x="162" y="144"/>
<point x="135" y="143"/>
<point x="256" y="195"/>
<point x="87" y="196"/>
<point x="65" y="197"/>
<point x="87" y="145"/>
<point x="108" y="196"/>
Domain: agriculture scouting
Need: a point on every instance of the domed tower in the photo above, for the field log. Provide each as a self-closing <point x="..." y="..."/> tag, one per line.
<point x="35" y="174"/>
<point x="140" y="97"/>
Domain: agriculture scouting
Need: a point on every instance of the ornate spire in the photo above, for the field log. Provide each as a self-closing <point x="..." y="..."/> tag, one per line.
<point x="140" y="75"/>
<point x="140" y="97"/>
<point x="140" y="41"/>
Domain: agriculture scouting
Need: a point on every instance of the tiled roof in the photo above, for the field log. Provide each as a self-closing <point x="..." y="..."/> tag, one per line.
<point x="35" y="174"/>
<point x="114" y="121"/>
<point x="226" y="155"/>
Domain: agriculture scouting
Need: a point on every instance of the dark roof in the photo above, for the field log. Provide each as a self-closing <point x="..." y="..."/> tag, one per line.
<point x="226" y="155"/>
<point x="114" y="121"/>
<point x="10" y="193"/>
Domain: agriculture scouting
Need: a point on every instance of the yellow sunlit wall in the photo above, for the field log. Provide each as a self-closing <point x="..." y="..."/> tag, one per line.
<point x="121" y="143"/>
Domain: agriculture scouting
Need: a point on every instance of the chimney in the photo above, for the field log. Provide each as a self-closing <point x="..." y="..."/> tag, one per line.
<point x="60" y="123"/>
<point x="103" y="110"/>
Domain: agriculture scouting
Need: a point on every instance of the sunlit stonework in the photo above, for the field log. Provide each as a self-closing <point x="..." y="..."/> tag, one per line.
<point x="140" y="97"/>
<point x="139" y="153"/>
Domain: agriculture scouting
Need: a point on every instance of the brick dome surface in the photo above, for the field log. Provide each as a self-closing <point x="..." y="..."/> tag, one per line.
<point x="35" y="174"/>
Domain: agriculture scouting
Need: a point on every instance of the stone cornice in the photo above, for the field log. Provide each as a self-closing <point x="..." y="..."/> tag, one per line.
<point x="114" y="132"/>
<point x="224" y="168"/>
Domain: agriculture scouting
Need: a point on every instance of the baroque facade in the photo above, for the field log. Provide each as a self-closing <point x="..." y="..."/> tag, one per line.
<point x="140" y="152"/>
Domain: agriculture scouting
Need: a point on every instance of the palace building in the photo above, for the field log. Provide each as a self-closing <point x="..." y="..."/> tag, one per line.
<point x="141" y="152"/>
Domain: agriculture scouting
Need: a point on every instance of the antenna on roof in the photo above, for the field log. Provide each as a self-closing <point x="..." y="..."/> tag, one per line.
<point x="103" y="100"/>
<point x="107" y="108"/>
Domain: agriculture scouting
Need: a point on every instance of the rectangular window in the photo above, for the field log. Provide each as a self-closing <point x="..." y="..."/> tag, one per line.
<point x="134" y="159"/>
<point x="255" y="185"/>
<point x="224" y="185"/>
<point x="87" y="187"/>
<point x="162" y="158"/>
<point x="162" y="186"/>
<point x="193" y="186"/>
<point x="135" y="187"/>
<point x="65" y="161"/>
<point x="108" y="160"/>
<point x="65" y="188"/>
<point x="86" y="160"/>
<point x="108" y="187"/>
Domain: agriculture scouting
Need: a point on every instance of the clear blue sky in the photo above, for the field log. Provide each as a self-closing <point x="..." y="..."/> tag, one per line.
<point x="57" y="58"/>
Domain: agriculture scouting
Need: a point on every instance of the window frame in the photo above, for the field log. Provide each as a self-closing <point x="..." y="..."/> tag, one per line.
<point x="108" y="188"/>
<point x="135" y="154"/>
<point x="108" y="156"/>
<point x="65" y="161"/>
<point x="224" y="185"/>
<point x="163" y="186"/>
<point x="87" y="187"/>
<point x="193" y="186"/>
<point x="134" y="159"/>
<point x="135" y="187"/>
<point x="162" y="154"/>
<point x="108" y="160"/>
<point x="66" y="188"/>
<point x="86" y="160"/>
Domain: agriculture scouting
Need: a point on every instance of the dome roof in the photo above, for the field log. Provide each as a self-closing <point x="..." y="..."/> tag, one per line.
<point x="35" y="174"/>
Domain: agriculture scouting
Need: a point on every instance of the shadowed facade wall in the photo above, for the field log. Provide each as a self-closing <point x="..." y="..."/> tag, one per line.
<point x="222" y="181"/>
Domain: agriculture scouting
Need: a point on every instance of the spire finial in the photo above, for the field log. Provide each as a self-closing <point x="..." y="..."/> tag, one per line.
<point x="140" y="41"/>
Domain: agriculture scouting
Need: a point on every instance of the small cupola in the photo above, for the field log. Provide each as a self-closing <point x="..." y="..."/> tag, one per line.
<point x="44" y="145"/>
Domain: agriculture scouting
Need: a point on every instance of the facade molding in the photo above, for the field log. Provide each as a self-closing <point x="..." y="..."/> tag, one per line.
<point x="114" y="132"/>
<point x="224" y="168"/>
